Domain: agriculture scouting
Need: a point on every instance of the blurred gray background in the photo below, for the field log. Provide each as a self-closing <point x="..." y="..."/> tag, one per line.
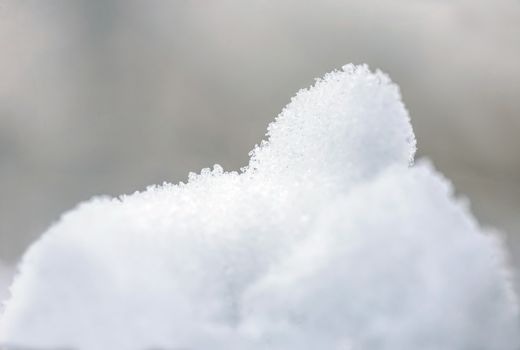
<point x="109" y="96"/>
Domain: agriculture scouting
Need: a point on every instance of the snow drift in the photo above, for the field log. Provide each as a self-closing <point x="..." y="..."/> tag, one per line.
<point x="329" y="239"/>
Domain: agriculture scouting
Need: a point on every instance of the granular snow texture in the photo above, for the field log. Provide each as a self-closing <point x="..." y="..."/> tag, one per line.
<point x="329" y="239"/>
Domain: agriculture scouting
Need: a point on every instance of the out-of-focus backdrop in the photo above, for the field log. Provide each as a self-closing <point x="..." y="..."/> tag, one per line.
<point x="109" y="96"/>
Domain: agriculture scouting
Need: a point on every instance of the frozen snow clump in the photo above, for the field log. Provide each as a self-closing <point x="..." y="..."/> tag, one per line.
<point x="329" y="239"/>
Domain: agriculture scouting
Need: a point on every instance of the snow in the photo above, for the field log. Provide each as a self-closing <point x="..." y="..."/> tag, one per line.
<point x="6" y="274"/>
<point x="329" y="239"/>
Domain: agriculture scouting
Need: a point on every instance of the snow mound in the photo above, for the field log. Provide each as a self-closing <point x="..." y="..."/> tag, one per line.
<point x="351" y="124"/>
<point x="329" y="239"/>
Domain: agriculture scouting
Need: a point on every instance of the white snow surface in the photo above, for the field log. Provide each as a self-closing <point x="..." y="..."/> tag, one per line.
<point x="329" y="239"/>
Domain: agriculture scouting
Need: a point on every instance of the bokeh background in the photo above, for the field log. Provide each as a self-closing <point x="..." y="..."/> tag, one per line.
<point x="109" y="96"/>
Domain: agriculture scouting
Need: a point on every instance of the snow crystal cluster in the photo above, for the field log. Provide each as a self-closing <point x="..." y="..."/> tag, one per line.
<point x="329" y="239"/>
